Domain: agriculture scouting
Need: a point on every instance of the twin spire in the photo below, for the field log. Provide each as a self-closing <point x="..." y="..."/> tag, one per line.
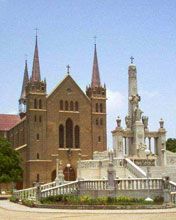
<point x="36" y="65"/>
<point x="95" y="71"/>
<point x="36" y="77"/>
<point x="25" y="81"/>
<point x="35" y="72"/>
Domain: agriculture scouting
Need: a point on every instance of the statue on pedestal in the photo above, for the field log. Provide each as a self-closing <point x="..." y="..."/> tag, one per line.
<point x="138" y="113"/>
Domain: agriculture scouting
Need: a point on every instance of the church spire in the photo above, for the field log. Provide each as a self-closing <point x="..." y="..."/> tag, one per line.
<point x="95" y="72"/>
<point x="36" y="66"/>
<point x="25" y="81"/>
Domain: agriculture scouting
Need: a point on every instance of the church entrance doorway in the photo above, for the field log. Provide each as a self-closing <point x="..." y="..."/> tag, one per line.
<point x="53" y="175"/>
<point x="69" y="173"/>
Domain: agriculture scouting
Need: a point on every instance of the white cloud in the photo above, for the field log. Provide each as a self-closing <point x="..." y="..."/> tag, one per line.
<point x="115" y="106"/>
<point x="115" y="101"/>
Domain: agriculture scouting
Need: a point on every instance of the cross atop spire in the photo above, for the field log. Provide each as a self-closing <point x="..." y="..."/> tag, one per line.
<point x="25" y="81"/>
<point x="95" y="72"/>
<point x="132" y="59"/>
<point x="68" y="69"/>
<point x="36" y="66"/>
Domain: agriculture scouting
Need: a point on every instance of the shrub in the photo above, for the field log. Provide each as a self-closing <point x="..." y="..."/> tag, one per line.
<point x="14" y="199"/>
<point x="158" y="200"/>
<point x="29" y="203"/>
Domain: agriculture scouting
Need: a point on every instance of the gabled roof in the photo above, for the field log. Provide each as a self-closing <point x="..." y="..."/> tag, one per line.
<point x="8" y="121"/>
<point x="67" y="77"/>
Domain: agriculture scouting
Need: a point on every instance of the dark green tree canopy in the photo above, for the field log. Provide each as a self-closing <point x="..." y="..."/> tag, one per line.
<point x="10" y="169"/>
<point x="171" y="144"/>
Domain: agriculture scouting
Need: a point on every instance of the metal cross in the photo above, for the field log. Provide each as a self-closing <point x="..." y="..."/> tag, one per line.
<point x="132" y="59"/>
<point x="36" y="31"/>
<point x="95" y="39"/>
<point x="68" y="69"/>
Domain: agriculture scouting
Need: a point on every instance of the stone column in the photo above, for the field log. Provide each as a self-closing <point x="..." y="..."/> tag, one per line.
<point x="59" y="173"/>
<point x="166" y="192"/>
<point x="111" y="173"/>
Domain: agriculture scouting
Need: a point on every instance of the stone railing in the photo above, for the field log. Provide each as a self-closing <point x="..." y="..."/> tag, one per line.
<point x="29" y="193"/>
<point x="81" y="186"/>
<point x="48" y="185"/>
<point x="68" y="188"/>
<point x="134" y="169"/>
<point x="172" y="189"/>
<point x="139" y="184"/>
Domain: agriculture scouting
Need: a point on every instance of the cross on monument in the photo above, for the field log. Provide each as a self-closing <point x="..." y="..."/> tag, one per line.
<point x="68" y="69"/>
<point x="132" y="59"/>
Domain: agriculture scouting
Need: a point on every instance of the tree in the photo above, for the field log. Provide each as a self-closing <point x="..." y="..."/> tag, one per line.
<point x="171" y="144"/>
<point x="10" y="163"/>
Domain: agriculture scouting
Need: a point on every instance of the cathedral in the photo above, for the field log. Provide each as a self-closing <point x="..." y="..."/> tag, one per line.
<point x="67" y="124"/>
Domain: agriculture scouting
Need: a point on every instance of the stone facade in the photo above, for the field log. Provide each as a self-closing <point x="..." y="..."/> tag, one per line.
<point x="67" y="124"/>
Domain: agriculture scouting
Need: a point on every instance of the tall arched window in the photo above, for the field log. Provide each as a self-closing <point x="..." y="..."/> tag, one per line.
<point x="40" y="104"/>
<point x="76" y="106"/>
<point x="69" y="133"/>
<point x="38" y="156"/>
<point x="66" y="106"/>
<point x="61" y="136"/>
<point x="61" y="105"/>
<point x="71" y="106"/>
<point x="101" y="107"/>
<point x="77" y="136"/>
<point x="101" y="121"/>
<point x="96" y="107"/>
<point x="35" y="103"/>
<point x="97" y="121"/>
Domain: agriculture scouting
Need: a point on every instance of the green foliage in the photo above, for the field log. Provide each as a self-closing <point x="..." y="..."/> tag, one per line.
<point x="158" y="200"/>
<point x="171" y="144"/>
<point x="87" y="200"/>
<point x="14" y="199"/>
<point x="10" y="169"/>
<point x="29" y="203"/>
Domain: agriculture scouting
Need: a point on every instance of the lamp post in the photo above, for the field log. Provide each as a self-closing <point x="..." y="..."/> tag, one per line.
<point x="68" y="171"/>
<point x="147" y="152"/>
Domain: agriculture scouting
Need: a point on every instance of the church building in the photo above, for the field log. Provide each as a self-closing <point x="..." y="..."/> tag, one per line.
<point x="68" y="124"/>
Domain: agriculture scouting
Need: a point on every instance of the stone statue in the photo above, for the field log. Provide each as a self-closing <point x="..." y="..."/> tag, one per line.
<point x="138" y="113"/>
<point x="135" y="99"/>
<point x="145" y="121"/>
<point x="128" y="121"/>
<point x="118" y="122"/>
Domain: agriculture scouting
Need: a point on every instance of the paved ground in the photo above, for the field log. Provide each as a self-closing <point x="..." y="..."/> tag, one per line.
<point x="11" y="211"/>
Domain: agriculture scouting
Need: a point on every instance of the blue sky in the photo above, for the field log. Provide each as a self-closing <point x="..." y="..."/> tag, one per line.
<point x="144" y="29"/>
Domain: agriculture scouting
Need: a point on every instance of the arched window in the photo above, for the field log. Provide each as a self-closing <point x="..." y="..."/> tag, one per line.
<point x="71" y="106"/>
<point x="76" y="106"/>
<point x="69" y="133"/>
<point x="96" y="107"/>
<point x="35" y="103"/>
<point x="77" y="136"/>
<point x="101" y="121"/>
<point x="99" y="138"/>
<point x="97" y="121"/>
<point x="61" y="105"/>
<point x="38" y="156"/>
<point x="40" y="118"/>
<point x="40" y="104"/>
<point x="38" y="178"/>
<point x="38" y="137"/>
<point x="35" y="118"/>
<point x="61" y="136"/>
<point x="101" y="107"/>
<point x="66" y="106"/>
